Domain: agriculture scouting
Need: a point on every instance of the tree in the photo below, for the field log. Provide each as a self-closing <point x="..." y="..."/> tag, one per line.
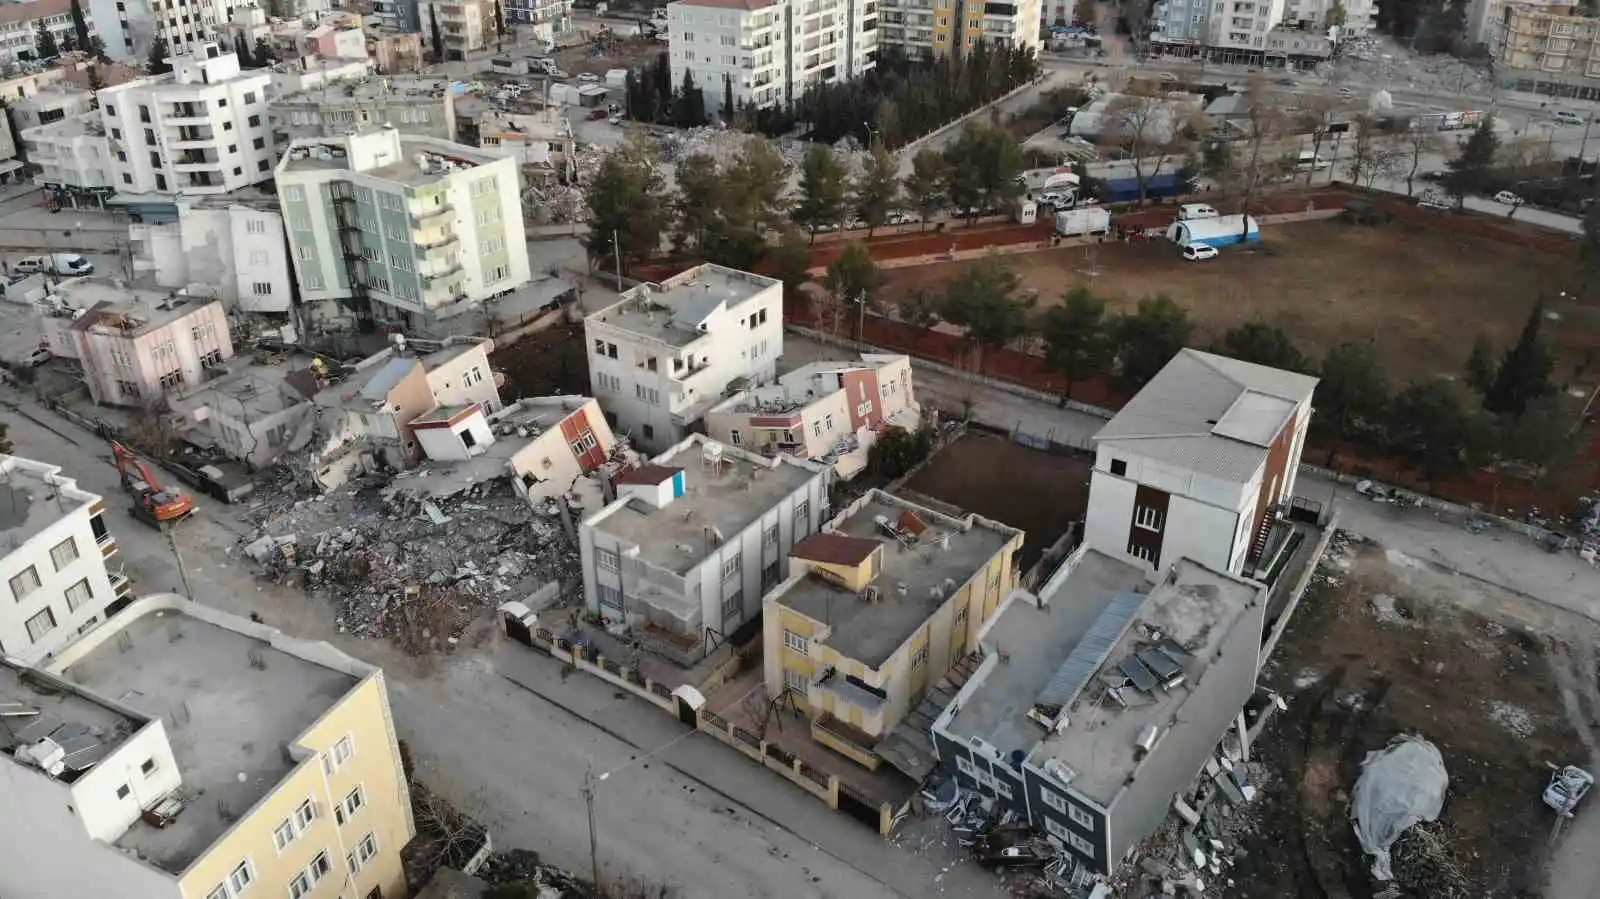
<point x="898" y="451"/>
<point x="97" y="48"/>
<point x="1524" y="373"/>
<point x="921" y="309"/>
<point x="5" y="439"/>
<point x="1470" y="170"/>
<point x="158" y="56"/>
<point x="80" y="24"/>
<point x="752" y="206"/>
<point x="1335" y="16"/>
<point x="876" y="192"/>
<point x="1480" y="365"/>
<point x="822" y="189"/>
<point x="1075" y="338"/>
<point x="791" y="260"/>
<point x="1352" y="393"/>
<point x="1416" y="143"/>
<point x="1319" y="111"/>
<point x="1366" y="160"/>
<point x="1541" y="438"/>
<point x="241" y="49"/>
<point x="1152" y="130"/>
<point x="1264" y="125"/>
<point x="44" y="42"/>
<point x="981" y="298"/>
<point x="701" y="193"/>
<point x="1429" y="424"/>
<point x="96" y="82"/>
<point x="1083" y="12"/>
<point x="689" y="109"/>
<point x="264" y="54"/>
<point x="853" y="278"/>
<point x="982" y="165"/>
<point x="1263" y="344"/>
<point x="435" y="33"/>
<point x="926" y="189"/>
<point x="1148" y="338"/>
<point x="1589" y="247"/>
<point x="727" y="98"/>
<point x="627" y="204"/>
<point x="499" y="20"/>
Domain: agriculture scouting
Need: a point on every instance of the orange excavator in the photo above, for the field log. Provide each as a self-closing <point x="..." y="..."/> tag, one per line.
<point x="153" y="504"/>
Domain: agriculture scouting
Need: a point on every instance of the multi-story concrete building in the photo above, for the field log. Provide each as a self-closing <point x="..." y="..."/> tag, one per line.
<point x="130" y="28"/>
<point x="136" y="345"/>
<point x="74" y="159"/>
<point x="20" y="24"/>
<point x="693" y="541"/>
<point x="571" y="439"/>
<point x="417" y="106"/>
<point x="1096" y="702"/>
<point x="249" y="413"/>
<point x="424" y="227"/>
<point x="56" y="545"/>
<point x="878" y="606"/>
<point x="547" y="18"/>
<point x="830" y="411"/>
<point x="1198" y="464"/>
<point x="1232" y="31"/>
<point x="246" y="763"/>
<point x="200" y="130"/>
<point x="310" y="73"/>
<point x="395" y="52"/>
<point x="1353" y="18"/>
<point x="1486" y="18"/>
<point x="666" y="353"/>
<point x="398" y="16"/>
<point x="230" y="247"/>
<point x="52" y="104"/>
<point x="1552" y="50"/>
<point x="937" y="27"/>
<point x="466" y="25"/>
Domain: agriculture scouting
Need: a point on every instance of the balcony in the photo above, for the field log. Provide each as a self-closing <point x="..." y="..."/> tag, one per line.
<point x="849" y="741"/>
<point x="435" y="246"/>
<point x="120" y="584"/>
<point x="186" y="114"/>
<point x="422" y="215"/>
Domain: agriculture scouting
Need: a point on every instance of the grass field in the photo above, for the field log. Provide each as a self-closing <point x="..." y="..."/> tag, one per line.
<point x="1421" y="296"/>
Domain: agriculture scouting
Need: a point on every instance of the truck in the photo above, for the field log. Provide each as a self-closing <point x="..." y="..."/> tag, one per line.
<point x="1219" y="232"/>
<point x="1156" y="187"/>
<point x="1081" y="222"/>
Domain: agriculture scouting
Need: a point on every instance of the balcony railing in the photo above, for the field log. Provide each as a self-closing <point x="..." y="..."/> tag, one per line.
<point x="422" y="215"/>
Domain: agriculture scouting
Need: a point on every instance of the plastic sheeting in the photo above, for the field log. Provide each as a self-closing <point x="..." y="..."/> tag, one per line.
<point x="1400" y="785"/>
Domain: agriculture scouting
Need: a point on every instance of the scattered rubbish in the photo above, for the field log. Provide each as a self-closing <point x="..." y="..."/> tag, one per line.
<point x="1567" y="788"/>
<point x="1400" y="786"/>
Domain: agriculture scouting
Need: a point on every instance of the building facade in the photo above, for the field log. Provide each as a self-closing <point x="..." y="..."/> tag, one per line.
<point x="20" y="24"/>
<point x="1234" y="30"/>
<point x="573" y="440"/>
<point x="466" y="25"/>
<point x="396" y="53"/>
<point x="548" y="18"/>
<point x="130" y="28"/>
<point x="249" y="414"/>
<point x="660" y="358"/>
<point x="310" y="800"/>
<point x="937" y="27"/>
<point x="424" y="228"/>
<point x="200" y="130"/>
<point x="1551" y="50"/>
<point x="1199" y="464"/>
<point x="416" y="106"/>
<point x="52" y="104"/>
<point x="57" y="547"/>
<point x="73" y="156"/>
<point x="1353" y="19"/>
<point x="878" y="606"/>
<point x="231" y="248"/>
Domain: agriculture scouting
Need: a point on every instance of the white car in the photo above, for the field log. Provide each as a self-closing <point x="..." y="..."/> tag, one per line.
<point x="588" y="77"/>
<point x="1507" y="198"/>
<point x="1052" y="199"/>
<point x="1167" y="76"/>
<point x="1194" y="252"/>
<point x="1566" y="117"/>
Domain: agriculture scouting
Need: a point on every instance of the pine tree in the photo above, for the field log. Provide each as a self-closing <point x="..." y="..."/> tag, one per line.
<point x="241" y="49"/>
<point x="727" y="98"/>
<point x="437" y="34"/>
<point x="80" y="25"/>
<point x="1524" y="373"/>
<point x="44" y="42"/>
<point x="1480" y="365"/>
<point x="158" y="57"/>
<point x="1467" y="172"/>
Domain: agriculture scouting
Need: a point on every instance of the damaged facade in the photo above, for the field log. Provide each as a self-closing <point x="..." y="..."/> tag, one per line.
<point x="230" y="247"/>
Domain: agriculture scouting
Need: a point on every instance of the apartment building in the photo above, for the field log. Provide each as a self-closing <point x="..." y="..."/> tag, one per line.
<point x="878" y="606"/>
<point x="1553" y="50"/>
<point x="249" y="413"/>
<point x="53" y="103"/>
<point x="396" y="53"/>
<point x="1230" y="31"/>
<point x="1097" y="701"/>
<point x="1353" y="18"/>
<point x="230" y="247"/>
<point x="663" y="355"/>
<point x="417" y="106"/>
<point x="247" y="763"/>
<point x="694" y="539"/>
<point x="929" y="27"/>
<point x="136" y="345"/>
<point x="830" y="411"/>
<point x="547" y="18"/>
<point x="1199" y="464"/>
<point x="423" y="228"/>
<point x="129" y="28"/>
<point x="56" y="545"/>
<point x="200" y="130"/>
<point x="74" y="159"/>
<point x="466" y="25"/>
<point x="20" y="24"/>
<point x="569" y="439"/>
<point x="398" y="16"/>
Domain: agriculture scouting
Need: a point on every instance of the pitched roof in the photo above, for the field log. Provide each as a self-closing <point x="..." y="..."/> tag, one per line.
<point x="835" y="549"/>
<point x="645" y="474"/>
<point x="1209" y="414"/>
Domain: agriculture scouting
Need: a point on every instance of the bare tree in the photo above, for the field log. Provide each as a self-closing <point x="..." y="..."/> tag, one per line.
<point x="1415" y="143"/>
<point x="1256" y="163"/>
<point x="1150" y="128"/>
<point x="1371" y="154"/>
<point x="1317" y="113"/>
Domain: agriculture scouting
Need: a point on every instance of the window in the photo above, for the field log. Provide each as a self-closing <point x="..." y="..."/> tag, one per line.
<point x="816" y="428"/>
<point x="1147" y="517"/>
<point x="731" y="566"/>
<point x="1002" y="788"/>
<point x="41" y="624"/>
<point x="1053" y="800"/>
<point x="733" y="605"/>
<point x="1119" y="467"/>
<point x="1142" y="552"/>
<point x="320" y="866"/>
<point x="769" y="576"/>
<point x="607" y="559"/>
<point x="343" y="750"/>
<point x="283" y="836"/>
<point x="249" y="98"/>
<point x="609" y="596"/>
<point x="1081" y="818"/>
<point x="796" y="682"/>
<point x="304" y="815"/>
<point x="919" y="658"/>
<point x="172" y="378"/>
<point x="78" y="594"/>
<point x="299" y="886"/>
<point x="802" y="509"/>
<point x="241" y="876"/>
<point x="221" y="892"/>
<point x="123" y="791"/>
<point x="64" y="553"/>
<point x="148" y="767"/>
<point x="354" y="801"/>
<point x="964" y="766"/>
<point x="795" y="642"/>
<point x="261" y="288"/>
<point x="25" y="582"/>
<point x="649" y="431"/>
<point x="769" y="537"/>
<point x="262" y="165"/>
<point x="474" y="376"/>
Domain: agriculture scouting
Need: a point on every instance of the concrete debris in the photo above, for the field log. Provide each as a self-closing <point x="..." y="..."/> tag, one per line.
<point x="520" y="867"/>
<point x="1383" y="60"/>
<point x="417" y="572"/>
<point x="1198" y="845"/>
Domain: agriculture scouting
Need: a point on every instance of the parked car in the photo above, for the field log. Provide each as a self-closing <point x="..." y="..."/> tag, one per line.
<point x="36" y="357"/>
<point x="1346" y="92"/>
<point x="66" y="265"/>
<point x="1167" y="76"/>
<point x="1566" y="117"/>
<point x="588" y="77"/>
<point x="1054" y="199"/>
<point x="1195" y="252"/>
<point x="1507" y="198"/>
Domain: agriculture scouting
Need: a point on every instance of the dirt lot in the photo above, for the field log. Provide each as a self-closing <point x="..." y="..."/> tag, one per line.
<point x="628" y="54"/>
<point x="1042" y="493"/>
<point x="1384" y="644"/>
<point x="546" y="362"/>
<point x="1419" y="295"/>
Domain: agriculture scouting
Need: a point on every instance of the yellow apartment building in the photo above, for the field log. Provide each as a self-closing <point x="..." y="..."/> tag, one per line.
<point x="178" y="752"/>
<point x="879" y="605"/>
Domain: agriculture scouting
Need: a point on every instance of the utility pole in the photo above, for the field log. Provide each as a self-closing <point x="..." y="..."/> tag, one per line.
<point x="594" y="855"/>
<point x="616" y="254"/>
<point x="183" y="571"/>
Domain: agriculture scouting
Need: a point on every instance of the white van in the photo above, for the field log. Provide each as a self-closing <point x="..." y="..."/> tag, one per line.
<point x="66" y="265"/>
<point x="1565" y="117"/>
<point x="1310" y="161"/>
<point x="1188" y="212"/>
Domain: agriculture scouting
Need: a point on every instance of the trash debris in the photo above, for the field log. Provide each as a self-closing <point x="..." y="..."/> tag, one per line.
<point x="1400" y="786"/>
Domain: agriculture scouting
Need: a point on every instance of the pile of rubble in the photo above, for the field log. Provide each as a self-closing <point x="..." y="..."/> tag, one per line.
<point x="724" y="145"/>
<point x="1198" y="845"/>
<point x="523" y="868"/>
<point x="415" y="571"/>
<point x="1382" y="60"/>
<point x="999" y="841"/>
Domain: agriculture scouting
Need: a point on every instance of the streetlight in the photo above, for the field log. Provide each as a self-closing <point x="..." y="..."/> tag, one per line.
<point x="591" y="781"/>
<point x="871" y="131"/>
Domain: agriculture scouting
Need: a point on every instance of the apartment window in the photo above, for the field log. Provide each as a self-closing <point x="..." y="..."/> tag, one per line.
<point x="1144" y="553"/>
<point x="233" y="148"/>
<point x="1002" y="788"/>
<point x="919" y="658"/>
<point x="730" y="567"/>
<point x="796" y="682"/>
<point x="144" y="113"/>
<point x="254" y="121"/>
<point x="1119" y="467"/>
<point x="241" y="877"/>
<point x="473" y="377"/>
<point x="816" y="428"/>
<point x="126" y="178"/>
<point x="127" y="389"/>
<point x="26" y="581"/>
<point x="607" y="559"/>
<point x="320" y="866"/>
<point x="649" y="431"/>
<point x="64" y="553"/>
<point x="609" y="596"/>
<point x="123" y="791"/>
<point x="261" y="288"/>
<point x="769" y="537"/>
<point x="284" y="835"/>
<point x="220" y="892"/>
<point x="41" y="624"/>
<point x="262" y="165"/>
<point x="498" y="273"/>
<point x="355" y="801"/>
<point x="736" y="438"/>
<point x="368" y="847"/>
<point x="172" y="378"/>
<point x="112" y="110"/>
<point x="299" y="886"/>
<point x="795" y="642"/>
<point x="802" y="510"/>
<point x="78" y="594"/>
<point x="761" y="317"/>
<point x="249" y="98"/>
<point x="150" y="141"/>
<point x="255" y="226"/>
<point x="1054" y="801"/>
<point x="343" y="750"/>
<point x="1081" y="818"/>
<point x="1147" y="517"/>
<point x="238" y="170"/>
<point x="733" y="605"/>
<point x="304" y="815"/>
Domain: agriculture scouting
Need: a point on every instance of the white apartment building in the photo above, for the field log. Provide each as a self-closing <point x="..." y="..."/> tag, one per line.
<point x="129" y="28"/>
<point x="230" y="247"/>
<point x="1360" y="16"/>
<point x="73" y="156"/>
<point x="772" y="50"/>
<point x="1198" y="464"/>
<point x="1230" y="30"/>
<point x="19" y="29"/>
<point x="661" y="357"/>
<point x="416" y="105"/>
<point x="426" y="228"/>
<point x="695" y="539"/>
<point x="55" y="545"/>
<point x="467" y="26"/>
<point x="202" y="129"/>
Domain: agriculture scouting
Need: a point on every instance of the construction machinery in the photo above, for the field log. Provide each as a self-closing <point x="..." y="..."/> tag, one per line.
<point x="153" y="504"/>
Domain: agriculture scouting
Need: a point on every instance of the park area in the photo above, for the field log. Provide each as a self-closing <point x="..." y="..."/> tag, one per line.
<point x="1419" y="294"/>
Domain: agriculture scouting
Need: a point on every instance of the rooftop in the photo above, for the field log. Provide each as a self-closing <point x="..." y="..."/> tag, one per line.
<point x="232" y="702"/>
<point x="675" y="311"/>
<point x="388" y="88"/>
<point x="420" y="160"/>
<point x="454" y="349"/>
<point x="728" y="497"/>
<point x="85" y="125"/>
<point x="33" y="496"/>
<point x="515" y="427"/>
<point x="125" y="311"/>
<point x="1209" y="414"/>
<point x="747" y="5"/>
<point x="931" y="566"/>
<point x="38" y="705"/>
<point x="247" y="391"/>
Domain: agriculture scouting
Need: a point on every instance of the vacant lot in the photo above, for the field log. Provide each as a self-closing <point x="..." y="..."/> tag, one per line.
<point x="1042" y="493"/>
<point x="1419" y="295"/>
<point x="1383" y="645"/>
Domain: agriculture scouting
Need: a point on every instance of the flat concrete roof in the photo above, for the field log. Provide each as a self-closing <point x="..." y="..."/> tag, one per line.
<point x="34" y="496"/>
<point x="77" y="718"/>
<point x="673" y="311"/>
<point x="389" y="88"/>
<point x="403" y="170"/>
<point x="249" y="391"/>
<point x="729" y="498"/>
<point x="110" y="306"/>
<point x="870" y="632"/>
<point x="231" y="702"/>
<point x="1036" y="641"/>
